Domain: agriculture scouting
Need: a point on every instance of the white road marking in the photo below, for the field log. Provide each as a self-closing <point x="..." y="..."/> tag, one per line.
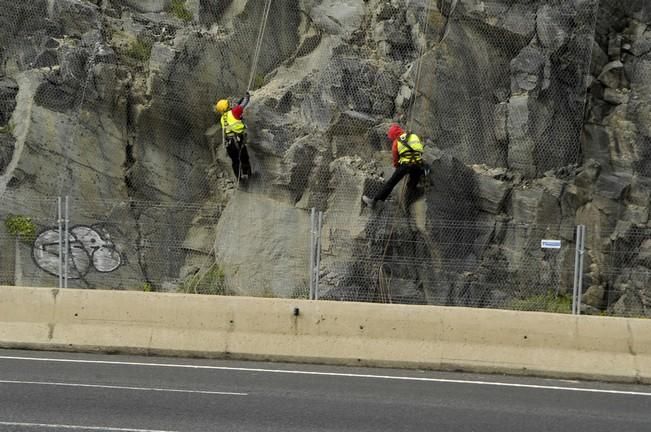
<point x="73" y="427"/>
<point x="333" y="374"/>
<point x="60" y="384"/>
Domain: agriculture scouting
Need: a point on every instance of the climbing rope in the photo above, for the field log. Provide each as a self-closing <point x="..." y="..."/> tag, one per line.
<point x="254" y="67"/>
<point x="421" y="53"/>
<point x="419" y="65"/>
<point x="382" y="281"/>
<point x="446" y="28"/>
<point x="258" y="45"/>
<point x="384" y="285"/>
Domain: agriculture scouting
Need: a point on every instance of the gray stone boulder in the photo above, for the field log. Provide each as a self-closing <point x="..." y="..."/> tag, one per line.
<point x="644" y="255"/>
<point x="7" y="145"/>
<point x="521" y="153"/>
<point x="337" y="17"/>
<point x="392" y="35"/>
<point x="262" y="246"/>
<point x="553" y="26"/>
<point x="527" y="69"/>
<point x="8" y="92"/>
<point x="492" y="192"/>
<point x="454" y="96"/>
<point x="299" y="164"/>
<point x="535" y="206"/>
<point x="517" y="20"/>
<point x="594" y="297"/>
<point x="611" y="75"/>
<point x="147" y="5"/>
<point x="641" y="46"/>
<point x="76" y="17"/>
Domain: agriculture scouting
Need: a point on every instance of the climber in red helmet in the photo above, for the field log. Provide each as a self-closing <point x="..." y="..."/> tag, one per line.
<point x="407" y="150"/>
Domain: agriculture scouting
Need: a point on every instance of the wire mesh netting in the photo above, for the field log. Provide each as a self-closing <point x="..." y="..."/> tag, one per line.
<point x="111" y="104"/>
<point x="398" y="260"/>
<point x="626" y="275"/>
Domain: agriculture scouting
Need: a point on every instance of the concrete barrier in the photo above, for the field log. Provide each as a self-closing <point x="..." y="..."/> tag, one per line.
<point x="427" y="337"/>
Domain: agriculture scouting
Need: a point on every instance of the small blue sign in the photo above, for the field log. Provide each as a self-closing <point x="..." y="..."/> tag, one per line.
<point x="550" y="244"/>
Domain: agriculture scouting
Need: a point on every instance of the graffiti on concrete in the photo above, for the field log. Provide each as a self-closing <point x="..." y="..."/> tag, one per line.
<point x="89" y="247"/>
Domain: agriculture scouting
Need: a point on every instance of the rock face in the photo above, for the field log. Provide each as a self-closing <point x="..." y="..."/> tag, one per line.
<point x="253" y="225"/>
<point x="110" y="102"/>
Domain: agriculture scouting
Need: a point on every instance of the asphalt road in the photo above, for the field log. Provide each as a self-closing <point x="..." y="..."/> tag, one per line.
<point x="41" y="391"/>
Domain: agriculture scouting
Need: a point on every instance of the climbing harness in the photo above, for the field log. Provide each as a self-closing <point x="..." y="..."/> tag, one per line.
<point x="407" y="153"/>
<point x="232" y="125"/>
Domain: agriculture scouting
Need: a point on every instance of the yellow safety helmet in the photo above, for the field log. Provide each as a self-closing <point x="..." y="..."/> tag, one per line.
<point x="222" y="106"/>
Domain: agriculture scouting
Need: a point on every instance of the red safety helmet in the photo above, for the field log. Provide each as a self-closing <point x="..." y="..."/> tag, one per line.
<point x="394" y="132"/>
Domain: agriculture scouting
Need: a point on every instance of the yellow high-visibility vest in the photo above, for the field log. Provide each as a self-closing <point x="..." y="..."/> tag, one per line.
<point x="231" y="125"/>
<point x="411" y="154"/>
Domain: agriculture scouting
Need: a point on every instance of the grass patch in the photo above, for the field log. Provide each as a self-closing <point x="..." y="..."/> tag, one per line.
<point x="139" y="50"/>
<point x="178" y="9"/>
<point x="549" y="302"/>
<point x="213" y="282"/>
<point x="21" y="227"/>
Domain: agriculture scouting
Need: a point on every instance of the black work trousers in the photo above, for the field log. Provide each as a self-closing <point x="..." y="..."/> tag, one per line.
<point x="236" y="150"/>
<point x="414" y="170"/>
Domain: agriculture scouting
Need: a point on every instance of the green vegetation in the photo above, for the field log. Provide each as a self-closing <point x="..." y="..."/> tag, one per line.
<point x="146" y="287"/>
<point x="22" y="227"/>
<point x="549" y="302"/>
<point x="7" y="129"/>
<point x="258" y="80"/>
<point x="140" y="50"/>
<point x="178" y="9"/>
<point x="211" y="282"/>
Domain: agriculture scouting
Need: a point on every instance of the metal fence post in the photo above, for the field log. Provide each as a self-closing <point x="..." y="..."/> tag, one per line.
<point x="312" y="241"/>
<point x="60" y="222"/>
<point x="67" y="245"/>
<point x="582" y="253"/>
<point x="317" y="264"/>
<point x="578" y="269"/>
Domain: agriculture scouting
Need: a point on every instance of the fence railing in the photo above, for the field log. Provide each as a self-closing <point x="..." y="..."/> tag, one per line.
<point x="330" y="255"/>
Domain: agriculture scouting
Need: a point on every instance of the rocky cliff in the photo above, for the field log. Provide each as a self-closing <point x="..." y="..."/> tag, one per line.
<point x="536" y="116"/>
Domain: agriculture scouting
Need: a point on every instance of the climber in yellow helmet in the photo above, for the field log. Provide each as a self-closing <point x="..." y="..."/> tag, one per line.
<point x="234" y="131"/>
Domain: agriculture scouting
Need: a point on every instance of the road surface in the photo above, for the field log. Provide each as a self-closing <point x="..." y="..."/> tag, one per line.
<point x="63" y="392"/>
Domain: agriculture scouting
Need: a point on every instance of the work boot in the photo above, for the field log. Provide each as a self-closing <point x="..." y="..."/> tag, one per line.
<point x="370" y="202"/>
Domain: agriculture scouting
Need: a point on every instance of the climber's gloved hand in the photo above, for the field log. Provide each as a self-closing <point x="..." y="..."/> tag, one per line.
<point x="245" y="100"/>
